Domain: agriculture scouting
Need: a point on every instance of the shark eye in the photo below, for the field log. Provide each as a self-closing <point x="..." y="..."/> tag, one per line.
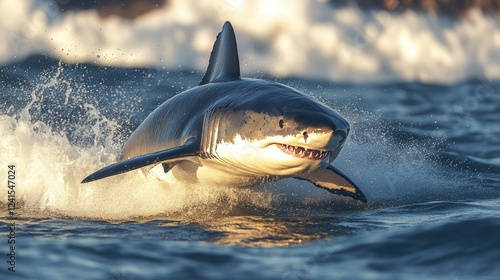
<point x="281" y="123"/>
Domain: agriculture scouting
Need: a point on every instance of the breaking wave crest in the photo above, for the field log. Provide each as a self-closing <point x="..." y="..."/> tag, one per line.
<point x="310" y="39"/>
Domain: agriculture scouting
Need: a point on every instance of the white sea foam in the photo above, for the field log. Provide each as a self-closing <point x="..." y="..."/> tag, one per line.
<point x="311" y="39"/>
<point x="49" y="170"/>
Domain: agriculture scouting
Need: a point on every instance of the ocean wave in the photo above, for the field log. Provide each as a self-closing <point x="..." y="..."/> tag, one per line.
<point x="311" y="39"/>
<point x="430" y="252"/>
<point x="455" y="250"/>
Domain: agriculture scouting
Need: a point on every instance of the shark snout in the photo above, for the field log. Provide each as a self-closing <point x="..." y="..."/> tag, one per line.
<point x="339" y="134"/>
<point x="326" y="137"/>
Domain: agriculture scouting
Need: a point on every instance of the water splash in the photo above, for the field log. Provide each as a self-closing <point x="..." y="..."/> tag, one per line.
<point x="53" y="154"/>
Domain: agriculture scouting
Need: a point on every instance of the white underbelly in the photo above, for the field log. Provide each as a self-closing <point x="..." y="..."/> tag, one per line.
<point x="207" y="172"/>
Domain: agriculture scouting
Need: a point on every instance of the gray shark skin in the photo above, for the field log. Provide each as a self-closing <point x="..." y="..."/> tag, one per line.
<point x="239" y="132"/>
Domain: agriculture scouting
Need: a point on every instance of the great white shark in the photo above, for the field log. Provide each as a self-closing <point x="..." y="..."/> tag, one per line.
<point x="239" y="132"/>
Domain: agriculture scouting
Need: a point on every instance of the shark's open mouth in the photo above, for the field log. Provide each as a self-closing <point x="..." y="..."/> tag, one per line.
<point x="303" y="152"/>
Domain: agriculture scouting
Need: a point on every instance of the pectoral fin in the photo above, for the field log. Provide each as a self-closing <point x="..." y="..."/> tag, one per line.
<point x="190" y="148"/>
<point x="334" y="181"/>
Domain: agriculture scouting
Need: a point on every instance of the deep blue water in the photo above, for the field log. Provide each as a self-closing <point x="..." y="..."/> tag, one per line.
<point x="426" y="156"/>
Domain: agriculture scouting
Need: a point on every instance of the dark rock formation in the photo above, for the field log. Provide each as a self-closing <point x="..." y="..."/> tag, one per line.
<point x="123" y="8"/>
<point x="453" y="8"/>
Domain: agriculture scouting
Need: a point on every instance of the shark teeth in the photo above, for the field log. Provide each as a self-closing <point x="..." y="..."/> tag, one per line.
<point x="301" y="152"/>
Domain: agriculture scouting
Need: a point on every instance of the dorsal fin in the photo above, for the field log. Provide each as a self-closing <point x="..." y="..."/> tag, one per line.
<point x="224" y="64"/>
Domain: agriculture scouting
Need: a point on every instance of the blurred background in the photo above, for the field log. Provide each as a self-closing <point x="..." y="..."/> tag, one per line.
<point x="432" y="41"/>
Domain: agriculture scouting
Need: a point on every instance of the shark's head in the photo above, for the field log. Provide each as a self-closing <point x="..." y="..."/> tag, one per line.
<point x="273" y="129"/>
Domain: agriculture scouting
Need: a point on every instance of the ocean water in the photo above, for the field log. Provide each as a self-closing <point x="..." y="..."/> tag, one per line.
<point x="423" y="147"/>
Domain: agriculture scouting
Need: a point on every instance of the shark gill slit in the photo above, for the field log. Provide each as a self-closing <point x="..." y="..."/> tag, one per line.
<point x="205" y="136"/>
<point x="215" y="131"/>
<point x="208" y="135"/>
